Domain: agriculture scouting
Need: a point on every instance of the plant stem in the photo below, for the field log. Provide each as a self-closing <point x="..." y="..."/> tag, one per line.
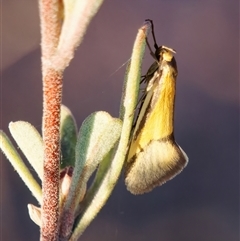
<point x="51" y="23"/>
<point x="52" y="92"/>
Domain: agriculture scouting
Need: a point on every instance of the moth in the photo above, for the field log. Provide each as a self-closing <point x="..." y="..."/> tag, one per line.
<point x="154" y="157"/>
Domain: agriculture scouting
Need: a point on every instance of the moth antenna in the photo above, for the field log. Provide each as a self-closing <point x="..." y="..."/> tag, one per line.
<point x="154" y="39"/>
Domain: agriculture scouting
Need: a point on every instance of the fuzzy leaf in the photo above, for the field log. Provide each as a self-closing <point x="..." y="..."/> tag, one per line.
<point x="68" y="130"/>
<point x="97" y="136"/>
<point x="77" y="16"/>
<point x="18" y="164"/>
<point x="30" y="142"/>
<point x="109" y="171"/>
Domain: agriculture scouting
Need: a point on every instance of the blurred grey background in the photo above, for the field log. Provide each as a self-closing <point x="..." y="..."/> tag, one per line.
<point x="202" y="203"/>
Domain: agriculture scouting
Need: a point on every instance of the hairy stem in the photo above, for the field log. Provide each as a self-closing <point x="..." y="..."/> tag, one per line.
<point x="51" y="23"/>
<point x="52" y="91"/>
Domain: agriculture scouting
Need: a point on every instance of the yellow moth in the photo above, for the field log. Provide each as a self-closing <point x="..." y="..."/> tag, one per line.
<point x="154" y="157"/>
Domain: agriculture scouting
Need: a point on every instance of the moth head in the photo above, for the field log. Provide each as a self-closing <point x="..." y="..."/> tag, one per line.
<point x="165" y="53"/>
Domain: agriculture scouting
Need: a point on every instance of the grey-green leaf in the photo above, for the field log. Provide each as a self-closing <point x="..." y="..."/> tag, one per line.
<point x="30" y="142"/>
<point x="68" y="131"/>
<point x="12" y="155"/>
<point x="109" y="171"/>
<point x="97" y="136"/>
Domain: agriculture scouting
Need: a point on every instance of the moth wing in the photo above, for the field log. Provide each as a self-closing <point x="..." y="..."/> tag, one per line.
<point x="158" y="162"/>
